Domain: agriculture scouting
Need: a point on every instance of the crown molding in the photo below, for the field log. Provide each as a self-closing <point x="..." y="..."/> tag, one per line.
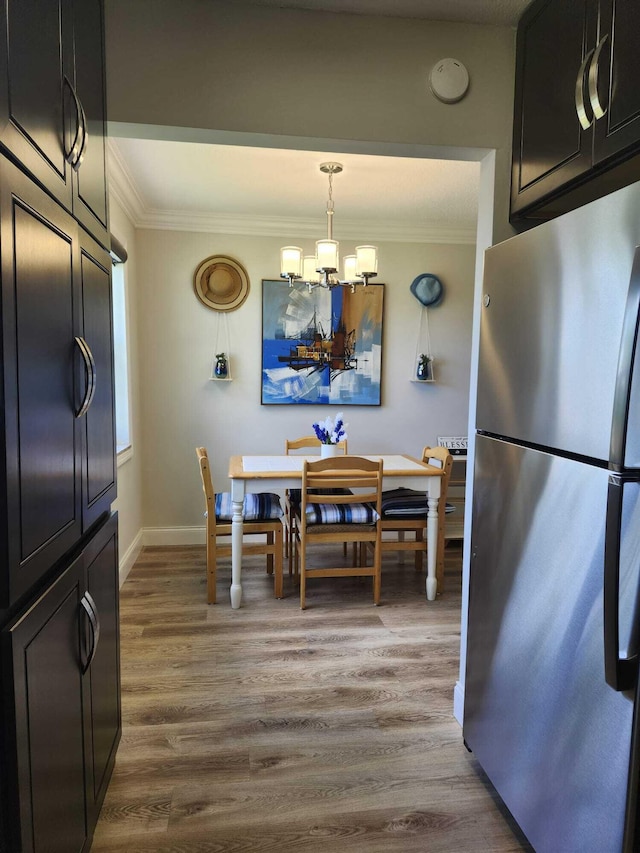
<point x="123" y="187"/>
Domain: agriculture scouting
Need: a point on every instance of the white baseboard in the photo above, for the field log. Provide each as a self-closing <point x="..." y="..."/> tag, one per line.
<point x="128" y="559"/>
<point x="174" y="536"/>
<point x="458" y="702"/>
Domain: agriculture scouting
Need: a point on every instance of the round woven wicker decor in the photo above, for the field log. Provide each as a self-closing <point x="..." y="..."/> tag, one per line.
<point x="221" y="283"/>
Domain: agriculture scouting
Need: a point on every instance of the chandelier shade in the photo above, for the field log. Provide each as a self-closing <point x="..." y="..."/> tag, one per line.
<point x="291" y="261"/>
<point x="320" y="270"/>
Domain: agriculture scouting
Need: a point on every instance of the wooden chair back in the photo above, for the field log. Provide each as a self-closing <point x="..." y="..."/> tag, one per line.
<point x="207" y="483"/>
<point x="308" y="441"/>
<point x="322" y="479"/>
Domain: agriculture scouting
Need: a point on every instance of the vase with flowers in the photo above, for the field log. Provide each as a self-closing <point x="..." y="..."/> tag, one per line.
<point x="330" y="433"/>
<point x="221" y="369"/>
<point x="423" y="371"/>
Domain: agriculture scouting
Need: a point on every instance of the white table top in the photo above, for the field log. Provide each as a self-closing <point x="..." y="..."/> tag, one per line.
<point x="398" y="464"/>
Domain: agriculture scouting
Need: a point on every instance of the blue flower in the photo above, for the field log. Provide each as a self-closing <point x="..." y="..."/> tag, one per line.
<point x="330" y="432"/>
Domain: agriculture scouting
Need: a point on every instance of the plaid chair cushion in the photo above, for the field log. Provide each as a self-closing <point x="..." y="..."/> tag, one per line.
<point x="405" y="503"/>
<point x="360" y="513"/>
<point x="262" y="506"/>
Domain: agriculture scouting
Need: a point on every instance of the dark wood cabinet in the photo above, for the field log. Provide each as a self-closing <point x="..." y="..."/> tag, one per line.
<point x="103" y="720"/>
<point x="90" y="185"/>
<point x="98" y="424"/>
<point x="63" y="708"/>
<point x="52" y="104"/>
<point x="57" y="340"/>
<point x="41" y="460"/>
<point x="614" y="77"/>
<point x="59" y="628"/>
<point x="577" y="105"/>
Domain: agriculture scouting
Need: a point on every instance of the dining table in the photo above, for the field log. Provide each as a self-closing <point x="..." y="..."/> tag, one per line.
<point x="276" y="472"/>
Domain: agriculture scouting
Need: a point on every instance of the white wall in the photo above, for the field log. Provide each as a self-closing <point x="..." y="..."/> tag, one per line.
<point x="129" y="500"/>
<point x="182" y="408"/>
<point x="206" y="70"/>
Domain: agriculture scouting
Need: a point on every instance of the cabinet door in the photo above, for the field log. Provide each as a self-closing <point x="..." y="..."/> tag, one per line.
<point x="90" y="189"/>
<point x="549" y="146"/>
<point x="98" y="425"/>
<point x="36" y="57"/>
<point x="42" y="451"/>
<point x="48" y="710"/>
<point x="616" y="75"/>
<point x="101" y="558"/>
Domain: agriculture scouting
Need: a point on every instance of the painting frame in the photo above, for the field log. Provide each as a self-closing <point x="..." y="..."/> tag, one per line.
<point x="321" y="346"/>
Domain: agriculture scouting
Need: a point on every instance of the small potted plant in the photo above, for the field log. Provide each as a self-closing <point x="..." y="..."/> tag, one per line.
<point x="221" y="369"/>
<point x="423" y="371"/>
<point x="330" y="433"/>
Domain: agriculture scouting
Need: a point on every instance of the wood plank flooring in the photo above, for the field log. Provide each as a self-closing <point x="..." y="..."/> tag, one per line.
<point x="272" y="729"/>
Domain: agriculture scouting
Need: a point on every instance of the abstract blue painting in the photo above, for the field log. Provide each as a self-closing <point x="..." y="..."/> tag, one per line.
<point x="321" y="346"/>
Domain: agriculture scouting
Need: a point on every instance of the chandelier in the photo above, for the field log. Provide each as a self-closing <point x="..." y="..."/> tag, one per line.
<point x="321" y="269"/>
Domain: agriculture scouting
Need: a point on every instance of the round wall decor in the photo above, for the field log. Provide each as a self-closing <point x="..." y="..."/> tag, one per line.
<point x="221" y="283"/>
<point x="427" y="289"/>
<point x="449" y="80"/>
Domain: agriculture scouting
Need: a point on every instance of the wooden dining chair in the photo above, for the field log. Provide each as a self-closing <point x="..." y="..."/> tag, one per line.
<point x="292" y="496"/>
<point x="405" y="511"/>
<point x="262" y="514"/>
<point x="330" y="511"/>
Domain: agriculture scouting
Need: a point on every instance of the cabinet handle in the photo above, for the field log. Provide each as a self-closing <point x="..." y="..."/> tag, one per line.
<point x="583" y="118"/>
<point x="90" y="375"/>
<point x="596" y="106"/>
<point x="85" y="137"/>
<point x="90" y="608"/>
<point x="72" y="154"/>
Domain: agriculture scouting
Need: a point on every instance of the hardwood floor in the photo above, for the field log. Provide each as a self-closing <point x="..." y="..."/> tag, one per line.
<point x="272" y="729"/>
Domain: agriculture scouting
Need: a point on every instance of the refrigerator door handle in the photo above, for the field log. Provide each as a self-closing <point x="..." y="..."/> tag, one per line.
<point x="620" y="673"/>
<point x="624" y="377"/>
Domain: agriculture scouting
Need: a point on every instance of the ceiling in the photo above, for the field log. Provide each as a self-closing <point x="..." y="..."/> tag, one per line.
<point x="269" y="191"/>
<point x="193" y="186"/>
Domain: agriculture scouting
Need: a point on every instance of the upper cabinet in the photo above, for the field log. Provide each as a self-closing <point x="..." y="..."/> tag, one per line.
<point x="577" y="105"/>
<point x="90" y="185"/>
<point x="52" y="101"/>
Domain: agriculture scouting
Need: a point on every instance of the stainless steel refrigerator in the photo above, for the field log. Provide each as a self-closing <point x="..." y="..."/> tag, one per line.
<point x="551" y="691"/>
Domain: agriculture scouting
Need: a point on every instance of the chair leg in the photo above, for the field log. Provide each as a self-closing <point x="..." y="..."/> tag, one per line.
<point x="270" y="555"/>
<point x="419" y="554"/>
<point x="377" y="578"/>
<point x="291" y="542"/>
<point x="302" y="557"/>
<point x="277" y="582"/>
<point x="211" y="567"/>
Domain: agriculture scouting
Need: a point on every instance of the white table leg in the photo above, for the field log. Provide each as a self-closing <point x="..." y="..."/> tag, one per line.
<point x="433" y="496"/>
<point x="237" y="496"/>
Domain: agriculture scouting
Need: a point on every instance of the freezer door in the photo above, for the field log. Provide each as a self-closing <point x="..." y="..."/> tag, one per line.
<point x="554" y="306"/>
<point x="552" y="736"/>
